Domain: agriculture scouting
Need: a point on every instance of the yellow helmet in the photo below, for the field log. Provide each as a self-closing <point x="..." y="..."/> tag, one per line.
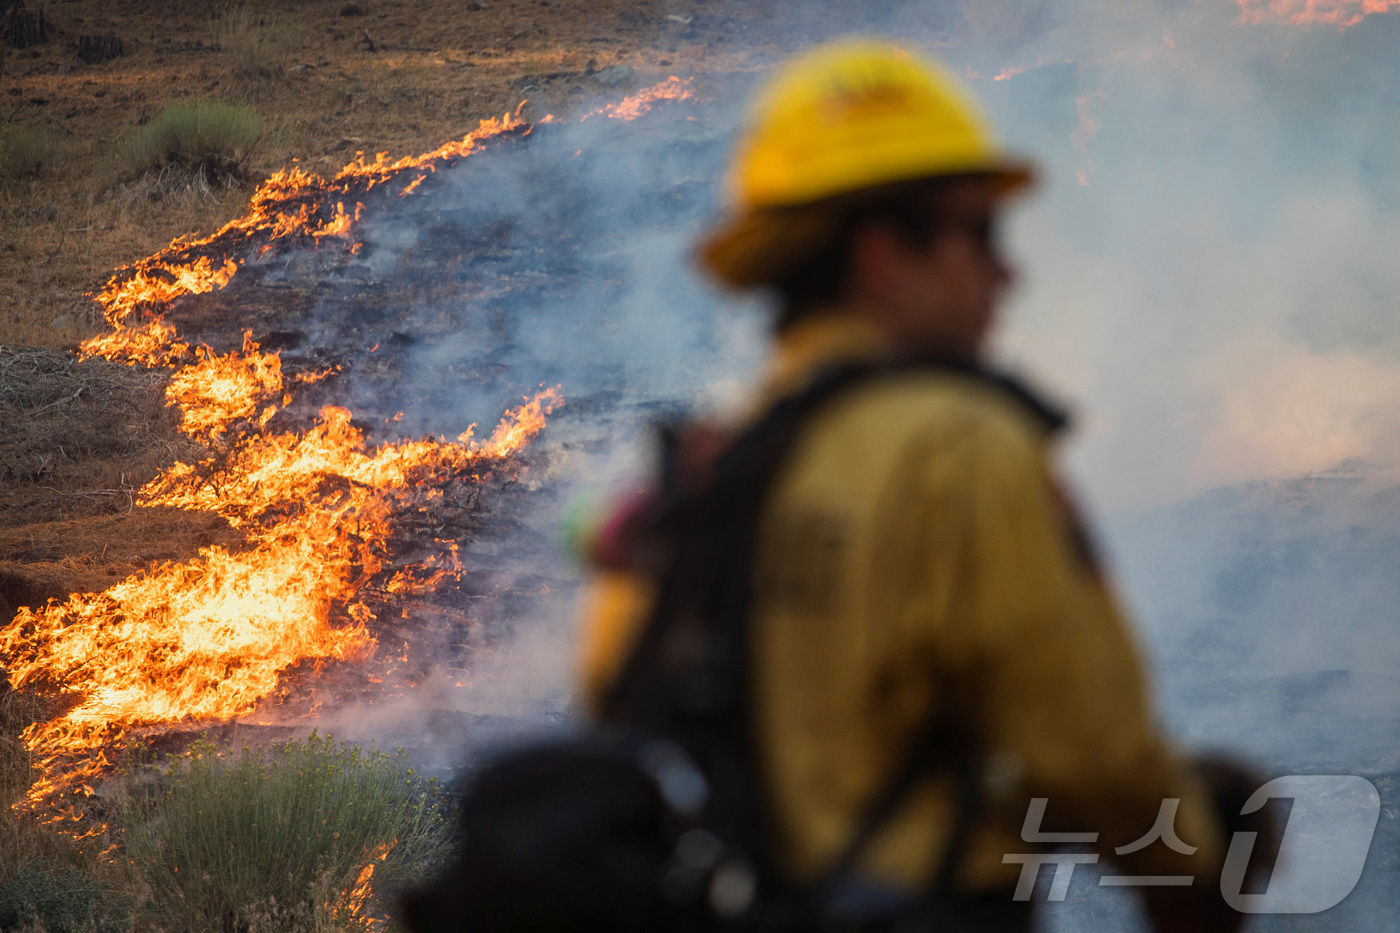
<point x="847" y="116"/>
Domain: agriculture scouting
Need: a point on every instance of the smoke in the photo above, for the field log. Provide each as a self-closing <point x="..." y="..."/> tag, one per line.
<point x="1207" y="276"/>
<point x="561" y="257"/>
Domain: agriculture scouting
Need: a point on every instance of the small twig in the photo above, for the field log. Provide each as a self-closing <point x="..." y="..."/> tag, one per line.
<point x="89" y="494"/>
<point x="62" y="238"/>
<point x="77" y="393"/>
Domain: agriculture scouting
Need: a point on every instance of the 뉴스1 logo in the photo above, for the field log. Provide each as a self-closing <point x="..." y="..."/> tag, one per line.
<point x="1321" y="855"/>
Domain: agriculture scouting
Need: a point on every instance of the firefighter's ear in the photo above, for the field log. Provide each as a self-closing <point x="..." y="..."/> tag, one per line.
<point x="881" y="265"/>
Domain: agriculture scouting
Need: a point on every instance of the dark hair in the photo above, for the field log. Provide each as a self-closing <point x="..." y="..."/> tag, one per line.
<point x="913" y="210"/>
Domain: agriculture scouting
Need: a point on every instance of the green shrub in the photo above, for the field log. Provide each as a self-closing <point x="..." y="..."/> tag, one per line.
<point x="202" y="136"/>
<point x="25" y="151"/>
<point x="259" y="43"/>
<point x="59" y="901"/>
<point x="278" y="836"/>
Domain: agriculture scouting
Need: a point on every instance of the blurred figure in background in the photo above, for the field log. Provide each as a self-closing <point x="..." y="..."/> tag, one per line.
<point x="926" y="643"/>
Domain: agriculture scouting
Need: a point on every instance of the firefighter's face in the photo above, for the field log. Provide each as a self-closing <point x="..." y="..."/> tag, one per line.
<point x="940" y="296"/>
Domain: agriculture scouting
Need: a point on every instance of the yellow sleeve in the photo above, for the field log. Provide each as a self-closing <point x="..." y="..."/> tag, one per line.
<point x="614" y="610"/>
<point x="1057" y="681"/>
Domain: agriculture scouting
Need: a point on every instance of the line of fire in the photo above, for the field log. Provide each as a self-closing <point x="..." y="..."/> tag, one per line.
<point x="343" y="540"/>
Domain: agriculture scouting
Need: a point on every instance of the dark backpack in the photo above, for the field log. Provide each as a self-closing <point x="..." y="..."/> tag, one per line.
<point x="656" y="819"/>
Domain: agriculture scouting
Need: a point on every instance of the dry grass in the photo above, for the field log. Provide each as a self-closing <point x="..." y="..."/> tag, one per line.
<point x="25" y="152"/>
<point x="77" y="440"/>
<point x="76" y="432"/>
<point x="259" y="43"/>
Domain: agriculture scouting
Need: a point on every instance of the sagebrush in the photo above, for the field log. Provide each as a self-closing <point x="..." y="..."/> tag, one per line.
<point x="202" y="136"/>
<point x="279" y="836"/>
<point x="40" y="897"/>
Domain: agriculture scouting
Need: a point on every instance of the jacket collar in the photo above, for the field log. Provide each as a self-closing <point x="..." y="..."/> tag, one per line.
<point x="831" y="341"/>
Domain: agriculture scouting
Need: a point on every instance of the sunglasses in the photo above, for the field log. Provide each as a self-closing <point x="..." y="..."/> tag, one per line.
<point x="981" y="229"/>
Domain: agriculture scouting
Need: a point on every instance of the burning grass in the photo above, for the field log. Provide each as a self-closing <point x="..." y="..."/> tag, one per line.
<point x="318" y="543"/>
<point x="209" y="638"/>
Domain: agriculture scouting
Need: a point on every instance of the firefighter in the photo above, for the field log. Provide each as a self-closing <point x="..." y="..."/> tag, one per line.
<point x="916" y="552"/>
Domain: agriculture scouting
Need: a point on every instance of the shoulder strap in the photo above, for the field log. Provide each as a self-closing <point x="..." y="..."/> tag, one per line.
<point x="729" y="507"/>
<point x="937" y="744"/>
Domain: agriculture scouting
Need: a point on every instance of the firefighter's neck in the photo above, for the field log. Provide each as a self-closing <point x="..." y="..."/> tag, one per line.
<point x="906" y="331"/>
<point x="932" y="297"/>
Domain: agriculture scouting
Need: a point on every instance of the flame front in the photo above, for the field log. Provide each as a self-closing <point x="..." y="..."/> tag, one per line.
<point x="207" y="639"/>
<point x="293" y="207"/>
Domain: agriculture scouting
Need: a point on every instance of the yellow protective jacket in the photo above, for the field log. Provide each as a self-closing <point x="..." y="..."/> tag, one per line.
<point x="916" y="554"/>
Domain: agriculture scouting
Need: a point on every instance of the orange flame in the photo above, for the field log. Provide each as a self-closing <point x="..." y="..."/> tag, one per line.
<point x="629" y="108"/>
<point x="151" y="344"/>
<point x="146" y="285"/>
<point x="207" y="639"/>
<point x="294" y="204"/>
<point x="354" y="900"/>
<point x="220" y="390"/>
